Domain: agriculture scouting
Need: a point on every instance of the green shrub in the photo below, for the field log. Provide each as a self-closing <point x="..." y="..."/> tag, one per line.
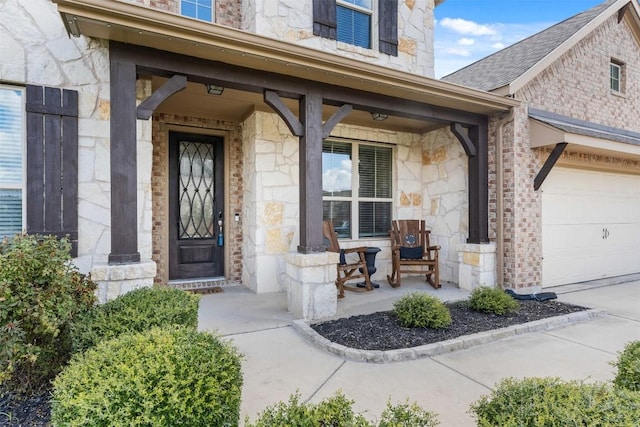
<point x="407" y="415"/>
<point x="160" y="377"/>
<point x="135" y="311"/>
<point x="492" y="300"/>
<point x="334" y="411"/>
<point x="337" y="411"/>
<point x="40" y="293"/>
<point x="421" y="311"/>
<point x="628" y="364"/>
<point x="553" y="402"/>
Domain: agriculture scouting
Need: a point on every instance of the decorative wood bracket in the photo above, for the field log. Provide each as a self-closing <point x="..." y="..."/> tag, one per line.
<point x="336" y="118"/>
<point x="273" y="100"/>
<point x="622" y="11"/>
<point x="548" y="164"/>
<point x="469" y="146"/>
<point x="171" y="86"/>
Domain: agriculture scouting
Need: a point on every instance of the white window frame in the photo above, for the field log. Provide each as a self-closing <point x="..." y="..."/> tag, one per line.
<point x="213" y="11"/>
<point x="373" y="13"/>
<point x="355" y="198"/>
<point x="614" y="64"/>
<point x="23" y="146"/>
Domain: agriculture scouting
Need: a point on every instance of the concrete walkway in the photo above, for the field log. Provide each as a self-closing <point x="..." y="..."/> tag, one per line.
<point x="278" y="361"/>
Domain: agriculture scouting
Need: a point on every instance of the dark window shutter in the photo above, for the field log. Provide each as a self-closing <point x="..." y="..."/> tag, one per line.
<point x="324" y="18"/>
<point x="52" y="162"/>
<point x="388" y="26"/>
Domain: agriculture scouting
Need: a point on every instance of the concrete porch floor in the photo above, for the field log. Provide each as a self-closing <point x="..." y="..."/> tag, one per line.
<point x="278" y="361"/>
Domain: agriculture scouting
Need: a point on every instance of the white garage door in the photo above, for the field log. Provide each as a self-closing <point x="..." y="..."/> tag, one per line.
<point x="590" y="225"/>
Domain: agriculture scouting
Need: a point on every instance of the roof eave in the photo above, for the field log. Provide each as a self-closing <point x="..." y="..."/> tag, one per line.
<point x="131" y="23"/>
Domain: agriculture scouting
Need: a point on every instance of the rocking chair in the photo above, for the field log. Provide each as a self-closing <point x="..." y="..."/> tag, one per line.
<point x="412" y="253"/>
<point x="347" y="269"/>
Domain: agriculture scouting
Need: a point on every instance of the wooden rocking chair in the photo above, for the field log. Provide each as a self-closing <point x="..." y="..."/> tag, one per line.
<point x="412" y="253"/>
<point x="347" y="269"/>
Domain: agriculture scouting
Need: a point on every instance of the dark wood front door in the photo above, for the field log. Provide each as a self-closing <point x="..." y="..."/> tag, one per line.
<point x="196" y="203"/>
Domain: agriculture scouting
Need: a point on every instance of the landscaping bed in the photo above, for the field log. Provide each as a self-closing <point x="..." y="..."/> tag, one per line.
<point x="381" y="330"/>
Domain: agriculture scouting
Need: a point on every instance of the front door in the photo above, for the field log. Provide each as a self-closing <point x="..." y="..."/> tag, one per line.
<point x="196" y="202"/>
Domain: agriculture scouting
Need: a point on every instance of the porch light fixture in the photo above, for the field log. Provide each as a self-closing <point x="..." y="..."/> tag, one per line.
<point x="214" y="90"/>
<point x="379" y="116"/>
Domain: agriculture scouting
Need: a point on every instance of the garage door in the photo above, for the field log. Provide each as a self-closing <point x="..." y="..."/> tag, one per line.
<point x="590" y="225"/>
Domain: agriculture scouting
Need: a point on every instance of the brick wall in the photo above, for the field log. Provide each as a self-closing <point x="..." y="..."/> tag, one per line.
<point x="159" y="184"/>
<point x="575" y="85"/>
<point x="227" y="12"/>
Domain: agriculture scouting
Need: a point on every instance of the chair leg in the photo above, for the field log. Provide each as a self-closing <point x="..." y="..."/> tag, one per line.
<point x="394" y="279"/>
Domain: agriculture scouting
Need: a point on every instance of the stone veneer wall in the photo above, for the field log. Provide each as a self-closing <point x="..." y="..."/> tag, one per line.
<point x="162" y="123"/>
<point x="35" y="49"/>
<point x="431" y="183"/>
<point x="227" y="12"/>
<point x="575" y="85"/>
<point x="292" y="21"/>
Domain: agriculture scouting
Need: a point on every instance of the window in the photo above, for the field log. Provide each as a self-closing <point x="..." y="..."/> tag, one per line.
<point x="615" y="73"/>
<point x="11" y="160"/>
<point x="354" y="19"/>
<point x="198" y="9"/>
<point x="359" y="22"/>
<point x="357" y="199"/>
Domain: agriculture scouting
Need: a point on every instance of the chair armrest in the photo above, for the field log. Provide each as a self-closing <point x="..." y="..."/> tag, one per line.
<point x="354" y="250"/>
<point x="433" y="248"/>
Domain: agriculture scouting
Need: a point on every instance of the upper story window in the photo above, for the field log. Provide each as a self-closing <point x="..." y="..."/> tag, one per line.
<point x="198" y="9"/>
<point x="363" y="23"/>
<point x="354" y="19"/>
<point x="616" y="69"/>
<point x="11" y="160"/>
<point x="357" y="188"/>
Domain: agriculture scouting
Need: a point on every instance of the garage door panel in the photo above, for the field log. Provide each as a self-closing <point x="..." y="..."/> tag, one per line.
<point x="591" y="225"/>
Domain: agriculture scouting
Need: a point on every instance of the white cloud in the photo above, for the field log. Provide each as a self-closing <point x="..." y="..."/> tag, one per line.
<point x="462" y="26"/>
<point x="453" y="52"/>
<point x="458" y="51"/>
<point x="337" y="179"/>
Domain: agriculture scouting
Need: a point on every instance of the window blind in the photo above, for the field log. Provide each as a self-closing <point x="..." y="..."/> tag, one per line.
<point x="11" y="161"/>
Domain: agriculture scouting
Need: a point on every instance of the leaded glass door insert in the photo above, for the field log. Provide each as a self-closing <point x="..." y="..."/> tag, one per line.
<point x="196" y="206"/>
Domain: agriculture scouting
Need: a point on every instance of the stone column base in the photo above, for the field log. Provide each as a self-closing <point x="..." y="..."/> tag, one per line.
<point x="116" y="280"/>
<point x="477" y="265"/>
<point x="311" y="287"/>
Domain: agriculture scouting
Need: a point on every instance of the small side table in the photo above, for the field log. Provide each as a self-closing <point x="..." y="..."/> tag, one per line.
<point x="370" y="259"/>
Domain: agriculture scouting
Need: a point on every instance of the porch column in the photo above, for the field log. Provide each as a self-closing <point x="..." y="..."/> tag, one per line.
<point x="479" y="185"/>
<point x="311" y="240"/>
<point x="124" y="209"/>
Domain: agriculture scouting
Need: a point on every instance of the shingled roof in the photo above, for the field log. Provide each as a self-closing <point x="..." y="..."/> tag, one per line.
<point x="505" y="66"/>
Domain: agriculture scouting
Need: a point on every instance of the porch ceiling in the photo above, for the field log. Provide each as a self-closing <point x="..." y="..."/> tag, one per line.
<point x="133" y="24"/>
<point x="235" y="105"/>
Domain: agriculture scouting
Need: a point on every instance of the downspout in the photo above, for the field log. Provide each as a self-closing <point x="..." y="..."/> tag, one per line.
<point x="500" y="198"/>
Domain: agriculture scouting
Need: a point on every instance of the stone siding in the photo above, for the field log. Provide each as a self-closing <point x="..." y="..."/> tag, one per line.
<point x="35" y="49"/>
<point x="575" y="85"/>
<point x="292" y="21"/>
<point x="162" y="123"/>
<point x="430" y="182"/>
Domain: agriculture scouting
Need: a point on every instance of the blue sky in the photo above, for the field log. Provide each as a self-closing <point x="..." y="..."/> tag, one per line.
<point x="467" y="30"/>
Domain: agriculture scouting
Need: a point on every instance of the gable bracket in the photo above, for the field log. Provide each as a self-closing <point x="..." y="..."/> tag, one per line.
<point x="272" y="99"/>
<point x="336" y="118"/>
<point x="462" y="134"/>
<point x="548" y="164"/>
<point x="171" y="86"/>
<point x="622" y="11"/>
